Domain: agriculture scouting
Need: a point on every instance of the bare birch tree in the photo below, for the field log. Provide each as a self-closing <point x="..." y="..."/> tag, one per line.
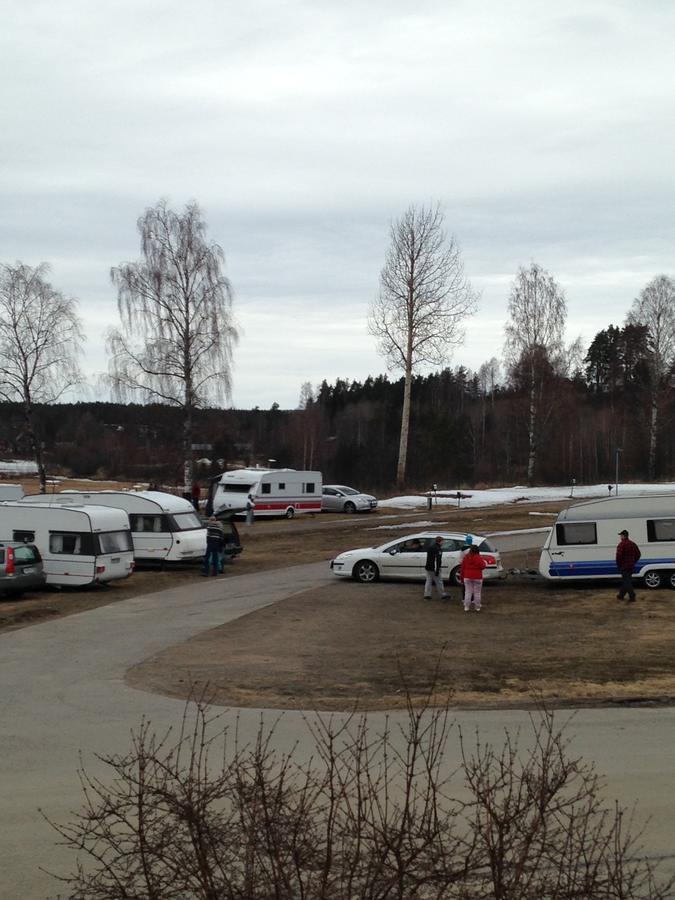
<point x="655" y="308"/>
<point x="177" y="332"/>
<point x="424" y="298"/>
<point x="535" y="330"/>
<point x="40" y="342"/>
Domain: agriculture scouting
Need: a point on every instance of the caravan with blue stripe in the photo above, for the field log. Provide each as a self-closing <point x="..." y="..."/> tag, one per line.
<point x="582" y="543"/>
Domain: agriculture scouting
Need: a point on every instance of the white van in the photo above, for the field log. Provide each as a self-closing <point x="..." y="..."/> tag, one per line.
<point x="78" y="544"/>
<point x="582" y="543"/>
<point x="269" y="492"/>
<point x="164" y="528"/>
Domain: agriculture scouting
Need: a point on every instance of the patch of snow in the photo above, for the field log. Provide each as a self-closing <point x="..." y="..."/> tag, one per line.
<point x="522" y="494"/>
<point x="552" y="515"/>
<point x="415" y="524"/>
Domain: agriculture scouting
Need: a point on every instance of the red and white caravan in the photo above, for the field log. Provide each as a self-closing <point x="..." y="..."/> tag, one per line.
<point x="269" y="492"/>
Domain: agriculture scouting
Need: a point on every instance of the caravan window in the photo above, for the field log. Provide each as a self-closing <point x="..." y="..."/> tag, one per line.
<point x="148" y="524"/>
<point x="576" y="533"/>
<point x="282" y="485"/>
<point x="308" y="488"/>
<point x="266" y="487"/>
<point x="187" y="521"/>
<point x="114" y="541"/>
<point x="661" y="529"/>
<point x="71" y="543"/>
<point x="26" y="536"/>
<point x="237" y="488"/>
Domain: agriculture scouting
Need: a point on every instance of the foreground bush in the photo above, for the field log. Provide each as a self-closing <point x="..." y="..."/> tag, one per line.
<point x="370" y="816"/>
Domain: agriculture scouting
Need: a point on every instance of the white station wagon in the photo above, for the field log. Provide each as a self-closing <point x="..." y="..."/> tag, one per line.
<point x="405" y="558"/>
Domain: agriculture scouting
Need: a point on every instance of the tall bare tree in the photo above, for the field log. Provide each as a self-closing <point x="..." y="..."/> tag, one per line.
<point x="424" y="298"/>
<point x="177" y="331"/>
<point x="655" y="308"/>
<point x="534" y="334"/>
<point x="40" y="342"/>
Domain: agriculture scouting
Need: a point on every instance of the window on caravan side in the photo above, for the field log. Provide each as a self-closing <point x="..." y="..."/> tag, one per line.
<point x="576" y="533"/>
<point x="661" y="529"/>
<point x="71" y="543"/>
<point x="148" y="524"/>
<point x="282" y="485"/>
<point x="308" y="488"/>
<point x="26" y="536"/>
<point x="114" y="541"/>
<point x="237" y="488"/>
<point x="266" y="487"/>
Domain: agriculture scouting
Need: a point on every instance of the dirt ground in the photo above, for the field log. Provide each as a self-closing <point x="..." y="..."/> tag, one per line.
<point x="351" y="645"/>
<point x="354" y="645"/>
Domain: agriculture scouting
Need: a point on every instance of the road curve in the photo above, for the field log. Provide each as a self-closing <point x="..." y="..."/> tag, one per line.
<point x="64" y="691"/>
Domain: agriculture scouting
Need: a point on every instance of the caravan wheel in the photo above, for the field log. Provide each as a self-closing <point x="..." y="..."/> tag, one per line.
<point x="672" y="580"/>
<point x="290" y="512"/>
<point x="653" y="580"/>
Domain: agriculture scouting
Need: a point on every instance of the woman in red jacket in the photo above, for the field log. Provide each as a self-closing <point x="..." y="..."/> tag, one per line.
<point x="471" y="574"/>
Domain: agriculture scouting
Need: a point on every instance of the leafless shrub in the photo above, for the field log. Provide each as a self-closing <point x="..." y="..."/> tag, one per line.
<point x="369" y="815"/>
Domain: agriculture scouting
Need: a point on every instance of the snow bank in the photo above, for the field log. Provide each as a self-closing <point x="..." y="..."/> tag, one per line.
<point x="523" y="494"/>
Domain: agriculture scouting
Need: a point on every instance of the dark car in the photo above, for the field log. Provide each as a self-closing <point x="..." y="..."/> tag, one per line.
<point x="232" y="544"/>
<point x="20" y="568"/>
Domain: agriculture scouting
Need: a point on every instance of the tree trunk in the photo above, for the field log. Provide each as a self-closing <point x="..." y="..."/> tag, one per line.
<point x="532" y="456"/>
<point x="653" y="428"/>
<point x="35" y="444"/>
<point x="405" y="428"/>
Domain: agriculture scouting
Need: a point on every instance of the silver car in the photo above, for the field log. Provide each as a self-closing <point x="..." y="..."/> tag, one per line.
<point x="20" y="568"/>
<point x="340" y="498"/>
<point x="406" y="558"/>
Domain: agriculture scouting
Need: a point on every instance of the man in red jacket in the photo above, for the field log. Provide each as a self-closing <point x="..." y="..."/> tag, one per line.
<point x="627" y="554"/>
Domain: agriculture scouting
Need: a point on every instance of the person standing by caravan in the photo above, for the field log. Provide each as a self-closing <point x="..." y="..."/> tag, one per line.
<point x="214" y="546"/>
<point x="433" y="570"/>
<point x="627" y="554"/>
<point x="471" y="573"/>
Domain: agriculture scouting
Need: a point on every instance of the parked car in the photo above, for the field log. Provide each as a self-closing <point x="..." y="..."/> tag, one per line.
<point x="232" y="543"/>
<point x="405" y="558"/>
<point x="340" y="498"/>
<point x="20" y="568"/>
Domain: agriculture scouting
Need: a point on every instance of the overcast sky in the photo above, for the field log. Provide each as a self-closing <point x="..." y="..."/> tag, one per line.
<point x="546" y="130"/>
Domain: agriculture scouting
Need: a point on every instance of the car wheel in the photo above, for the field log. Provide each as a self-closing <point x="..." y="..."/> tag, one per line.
<point x="653" y="580"/>
<point x="290" y="512"/>
<point x="454" y="577"/>
<point x="671" y="580"/>
<point x="349" y="507"/>
<point x="366" y="571"/>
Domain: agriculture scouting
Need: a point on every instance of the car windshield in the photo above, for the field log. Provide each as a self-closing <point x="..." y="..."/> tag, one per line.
<point x="26" y="554"/>
<point x="186" y="521"/>
<point x="347" y="490"/>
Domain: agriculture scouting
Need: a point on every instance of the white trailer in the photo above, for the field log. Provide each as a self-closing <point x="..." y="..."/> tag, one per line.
<point x="267" y="492"/>
<point x="79" y="544"/>
<point x="164" y="528"/>
<point x="582" y="543"/>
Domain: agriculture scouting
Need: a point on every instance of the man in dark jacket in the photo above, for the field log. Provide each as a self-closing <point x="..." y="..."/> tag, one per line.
<point x="214" y="546"/>
<point x="627" y="554"/>
<point x="433" y="570"/>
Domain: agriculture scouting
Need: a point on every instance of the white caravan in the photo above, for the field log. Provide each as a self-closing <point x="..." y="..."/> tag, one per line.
<point x="164" y="528"/>
<point x="268" y="492"/>
<point x="582" y="543"/>
<point x="78" y="544"/>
